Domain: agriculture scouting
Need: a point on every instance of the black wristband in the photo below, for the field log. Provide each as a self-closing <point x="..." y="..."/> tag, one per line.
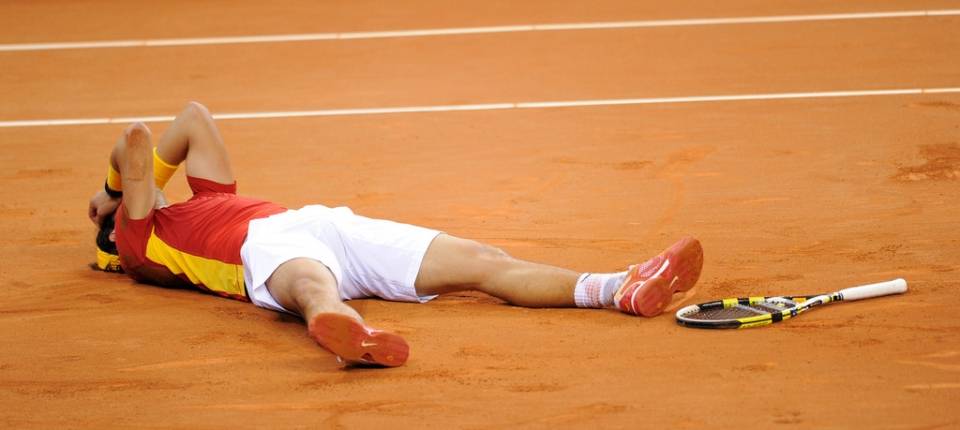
<point x="112" y="193"/>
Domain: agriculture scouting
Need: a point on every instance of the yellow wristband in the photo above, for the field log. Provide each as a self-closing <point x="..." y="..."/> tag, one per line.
<point x="162" y="171"/>
<point x="113" y="179"/>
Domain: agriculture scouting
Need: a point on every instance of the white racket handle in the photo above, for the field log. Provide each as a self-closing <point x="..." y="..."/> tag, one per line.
<point x="895" y="286"/>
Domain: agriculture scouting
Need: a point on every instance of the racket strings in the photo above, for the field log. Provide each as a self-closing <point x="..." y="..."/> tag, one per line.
<point x="740" y="310"/>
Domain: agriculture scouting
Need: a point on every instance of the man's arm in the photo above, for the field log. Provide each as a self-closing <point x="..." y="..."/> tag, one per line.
<point x="104" y="204"/>
<point x="193" y="137"/>
<point x="135" y="161"/>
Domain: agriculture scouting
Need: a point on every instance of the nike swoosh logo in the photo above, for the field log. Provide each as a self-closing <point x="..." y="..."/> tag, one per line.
<point x="366" y="344"/>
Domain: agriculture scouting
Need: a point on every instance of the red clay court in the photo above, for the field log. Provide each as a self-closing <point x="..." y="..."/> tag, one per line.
<point x="810" y="145"/>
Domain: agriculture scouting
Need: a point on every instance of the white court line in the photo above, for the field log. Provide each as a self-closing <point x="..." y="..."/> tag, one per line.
<point x="487" y="106"/>
<point x="277" y="38"/>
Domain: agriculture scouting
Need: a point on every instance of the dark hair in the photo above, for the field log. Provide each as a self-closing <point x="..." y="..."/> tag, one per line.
<point x="103" y="236"/>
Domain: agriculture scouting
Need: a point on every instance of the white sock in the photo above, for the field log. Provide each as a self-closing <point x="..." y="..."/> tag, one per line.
<point x="595" y="290"/>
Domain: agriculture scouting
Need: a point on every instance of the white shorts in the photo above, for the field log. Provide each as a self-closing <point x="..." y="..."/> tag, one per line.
<point x="368" y="257"/>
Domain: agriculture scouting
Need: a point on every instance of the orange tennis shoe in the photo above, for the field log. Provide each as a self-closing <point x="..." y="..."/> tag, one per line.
<point x="356" y="344"/>
<point x="650" y="285"/>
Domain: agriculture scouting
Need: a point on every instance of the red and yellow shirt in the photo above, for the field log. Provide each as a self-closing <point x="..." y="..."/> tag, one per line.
<point x="193" y="243"/>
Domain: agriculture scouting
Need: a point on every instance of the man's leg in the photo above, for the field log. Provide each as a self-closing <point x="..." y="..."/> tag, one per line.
<point x="455" y="264"/>
<point x="308" y="288"/>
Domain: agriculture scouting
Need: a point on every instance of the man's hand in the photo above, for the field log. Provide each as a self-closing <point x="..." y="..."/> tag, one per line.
<point x="101" y="206"/>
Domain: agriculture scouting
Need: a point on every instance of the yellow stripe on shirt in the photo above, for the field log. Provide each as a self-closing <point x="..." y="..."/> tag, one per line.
<point x="215" y="275"/>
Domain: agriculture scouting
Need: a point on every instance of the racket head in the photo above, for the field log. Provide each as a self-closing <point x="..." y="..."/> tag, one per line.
<point x="740" y="312"/>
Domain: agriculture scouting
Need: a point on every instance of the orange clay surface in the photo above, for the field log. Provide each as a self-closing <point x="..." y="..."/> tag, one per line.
<point x="788" y="197"/>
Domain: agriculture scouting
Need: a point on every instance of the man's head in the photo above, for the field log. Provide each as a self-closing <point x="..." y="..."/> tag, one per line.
<point x="108" y="259"/>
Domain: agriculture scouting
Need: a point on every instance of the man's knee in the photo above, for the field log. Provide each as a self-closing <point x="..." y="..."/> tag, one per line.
<point x="304" y="287"/>
<point x="307" y="276"/>
<point x="298" y="282"/>
<point x="491" y="258"/>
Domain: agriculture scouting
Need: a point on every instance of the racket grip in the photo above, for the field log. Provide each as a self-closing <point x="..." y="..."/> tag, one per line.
<point x="895" y="286"/>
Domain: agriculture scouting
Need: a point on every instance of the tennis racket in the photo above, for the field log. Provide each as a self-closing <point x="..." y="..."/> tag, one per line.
<point x="745" y="312"/>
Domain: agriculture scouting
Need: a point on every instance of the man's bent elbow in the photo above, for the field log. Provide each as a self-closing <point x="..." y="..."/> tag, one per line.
<point x="197" y="109"/>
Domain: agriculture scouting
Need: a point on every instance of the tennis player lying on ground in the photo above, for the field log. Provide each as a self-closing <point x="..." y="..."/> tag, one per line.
<point x="308" y="261"/>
